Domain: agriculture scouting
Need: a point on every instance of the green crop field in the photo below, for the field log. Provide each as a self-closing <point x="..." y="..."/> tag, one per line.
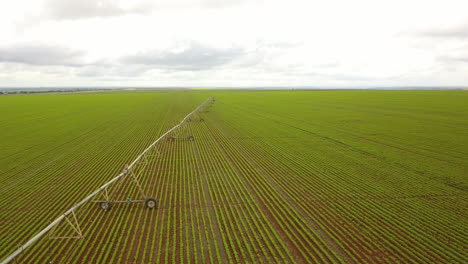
<point x="270" y="177"/>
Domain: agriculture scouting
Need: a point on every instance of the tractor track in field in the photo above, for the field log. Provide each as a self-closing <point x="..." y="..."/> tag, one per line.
<point x="337" y="249"/>
<point x="372" y="140"/>
<point x="293" y="249"/>
<point x="209" y="201"/>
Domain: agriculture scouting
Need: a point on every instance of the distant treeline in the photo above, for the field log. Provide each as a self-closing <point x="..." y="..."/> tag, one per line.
<point x="15" y="91"/>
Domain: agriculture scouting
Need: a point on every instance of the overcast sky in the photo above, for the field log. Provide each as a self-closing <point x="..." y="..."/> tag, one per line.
<point x="233" y="43"/>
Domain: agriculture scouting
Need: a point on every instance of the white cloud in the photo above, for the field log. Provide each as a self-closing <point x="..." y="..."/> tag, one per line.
<point x="211" y="42"/>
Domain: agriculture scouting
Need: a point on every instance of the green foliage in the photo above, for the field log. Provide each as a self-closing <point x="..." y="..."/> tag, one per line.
<point x="271" y="177"/>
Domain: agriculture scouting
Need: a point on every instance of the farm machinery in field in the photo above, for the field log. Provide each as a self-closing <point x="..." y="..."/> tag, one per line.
<point x="131" y="172"/>
<point x="106" y="203"/>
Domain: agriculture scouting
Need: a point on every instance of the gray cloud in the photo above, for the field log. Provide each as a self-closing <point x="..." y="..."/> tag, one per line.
<point x="79" y="9"/>
<point x="194" y="57"/>
<point x="210" y="3"/>
<point x="67" y="9"/>
<point x="117" y="70"/>
<point x="460" y="32"/>
<point x="37" y="54"/>
<point x="453" y="58"/>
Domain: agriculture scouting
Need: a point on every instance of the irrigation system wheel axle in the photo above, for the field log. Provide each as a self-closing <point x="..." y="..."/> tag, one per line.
<point x="107" y="201"/>
<point x="173" y="139"/>
<point x="150" y="203"/>
<point x="196" y="120"/>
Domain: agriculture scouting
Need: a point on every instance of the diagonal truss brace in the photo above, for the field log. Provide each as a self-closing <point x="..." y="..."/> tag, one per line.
<point x="74" y="225"/>
<point x="74" y="222"/>
<point x="128" y="172"/>
<point x="137" y="182"/>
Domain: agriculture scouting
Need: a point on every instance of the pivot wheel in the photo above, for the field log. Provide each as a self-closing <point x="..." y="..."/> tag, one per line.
<point x="151" y="203"/>
<point x="191" y="138"/>
<point x="105" y="205"/>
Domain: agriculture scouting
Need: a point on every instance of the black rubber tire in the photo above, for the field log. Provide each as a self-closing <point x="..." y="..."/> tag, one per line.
<point x="105" y="205"/>
<point x="151" y="203"/>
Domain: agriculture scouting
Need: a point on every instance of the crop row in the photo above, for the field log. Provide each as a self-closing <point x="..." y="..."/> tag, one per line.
<point x="365" y="227"/>
<point x="253" y="186"/>
<point x="86" y="165"/>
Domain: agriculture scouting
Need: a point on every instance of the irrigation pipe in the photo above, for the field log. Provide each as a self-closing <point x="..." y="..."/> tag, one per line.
<point x="76" y="206"/>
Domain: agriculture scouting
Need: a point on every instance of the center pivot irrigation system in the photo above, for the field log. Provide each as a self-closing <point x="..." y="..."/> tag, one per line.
<point x="106" y="203"/>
